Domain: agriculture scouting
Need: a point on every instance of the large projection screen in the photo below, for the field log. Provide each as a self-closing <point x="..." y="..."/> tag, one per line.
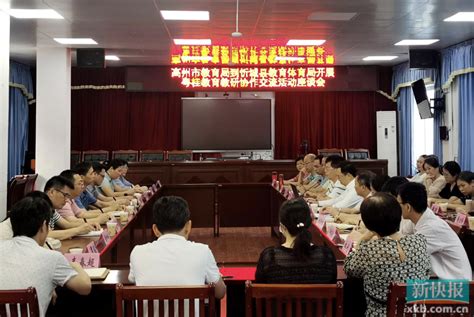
<point x="216" y="124"/>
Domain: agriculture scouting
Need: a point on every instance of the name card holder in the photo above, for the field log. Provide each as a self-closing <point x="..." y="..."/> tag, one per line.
<point x="103" y="240"/>
<point x="321" y="221"/>
<point x="333" y="234"/>
<point x="461" y="220"/>
<point x="158" y="183"/>
<point x="154" y="189"/>
<point x="348" y="244"/>
<point x="86" y="260"/>
<point x="91" y="248"/>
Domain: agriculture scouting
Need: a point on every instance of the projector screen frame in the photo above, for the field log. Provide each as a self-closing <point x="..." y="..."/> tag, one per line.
<point x="241" y="151"/>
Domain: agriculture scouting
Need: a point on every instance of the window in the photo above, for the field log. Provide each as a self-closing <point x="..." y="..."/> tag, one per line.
<point x="422" y="131"/>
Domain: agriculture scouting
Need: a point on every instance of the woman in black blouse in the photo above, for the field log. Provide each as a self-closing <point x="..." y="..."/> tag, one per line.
<point x="297" y="260"/>
<point x="450" y="193"/>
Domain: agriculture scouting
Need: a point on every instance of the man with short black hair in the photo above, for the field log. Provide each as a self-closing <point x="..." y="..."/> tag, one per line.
<point x="24" y="262"/>
<point x="72" y="212"/>
<point x="59" y="190"/>
<point x="172" y="259"/>
<point x="349" y="198"/>
<point x="448" y="256"/>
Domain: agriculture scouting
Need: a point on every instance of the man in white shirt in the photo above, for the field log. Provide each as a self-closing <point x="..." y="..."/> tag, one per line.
<point x="332" y="187"/>
<point x="349" y="198"/>
<point x="172" y="259"/>
<point x="25" y="263"/>
<point x="448" y="256"/>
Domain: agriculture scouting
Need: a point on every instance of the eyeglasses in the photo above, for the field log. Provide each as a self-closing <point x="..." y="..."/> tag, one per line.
<point x="65" y="195"/>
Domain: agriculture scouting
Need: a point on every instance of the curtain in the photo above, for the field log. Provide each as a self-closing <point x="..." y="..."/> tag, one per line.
<point x="402" y="78"/>
<point x="21" y="90"/>
<point x="456" y="60"/>
<point x="118" y="120"/>
<point x="326" y="120"/>
<point x="466" y="115"/>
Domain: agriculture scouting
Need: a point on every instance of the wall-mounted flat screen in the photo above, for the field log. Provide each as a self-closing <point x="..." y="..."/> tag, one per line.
<point x="215" y="124"/>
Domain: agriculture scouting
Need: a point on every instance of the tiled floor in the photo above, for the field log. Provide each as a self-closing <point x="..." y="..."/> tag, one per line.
<point x="235" y="245"/>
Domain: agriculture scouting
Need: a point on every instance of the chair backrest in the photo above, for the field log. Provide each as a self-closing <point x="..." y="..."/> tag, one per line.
<point x="296" y="300"/>
<point x="144" y="300"/>
<point x="95" y="156"/>
<point x="180" y="155"/>
<point x="76" y="157"/>
<point x="24" y="300"/>
<point x="398" y="307"/>
<point x="327" y="152"/>
<point x="127" y="155"/>
<point x="357" y="154"/>
<point x="18" y="187"/>
<point x="152" y="156"/>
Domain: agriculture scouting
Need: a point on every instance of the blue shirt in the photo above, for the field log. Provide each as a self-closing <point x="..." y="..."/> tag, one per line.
<point x="122" y="182"/>
<point x="85" y="199"/>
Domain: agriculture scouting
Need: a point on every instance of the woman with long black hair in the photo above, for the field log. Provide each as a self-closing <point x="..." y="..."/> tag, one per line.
<point x="297" y="260"/>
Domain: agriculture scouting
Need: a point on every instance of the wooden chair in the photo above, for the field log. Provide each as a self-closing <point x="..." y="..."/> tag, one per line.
<point x="127" y="155"/>
<point x="327" y="152"/>
<point x="297" y="300"/>
<point x="95" y="156"/>
<point x="25" y="300"/>
<point x="130" y="300"/>
<point x="180" y="155"/>
<point x="76" y="157"/>
<point x="152" y="156"/>
<point x="357" y="154"/>
<point x="398" y="307"/>
<point x="18" y="187"/>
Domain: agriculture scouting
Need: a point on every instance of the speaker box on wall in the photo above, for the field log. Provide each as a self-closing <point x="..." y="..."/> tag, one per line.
<point x="90" y="57"/>
<point x="443" y="133"/>
<point x="423" y="59"/>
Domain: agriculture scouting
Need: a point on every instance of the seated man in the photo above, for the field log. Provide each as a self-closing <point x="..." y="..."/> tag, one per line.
<point x="86" y="200"/>
<point x="332" y="187"/>
<point x="448" y="257"/>
<point x="122" y="184"/>
<point x="113" y="170"/>
<point x="71" y="211"/>
<point x="172" y="259"/>
<point x="59" y="190"/>
<point x="93" y="189"/>
<point x="349" y="198"/>
<point x="24" y="262"/>
<point x="362" y="187"/>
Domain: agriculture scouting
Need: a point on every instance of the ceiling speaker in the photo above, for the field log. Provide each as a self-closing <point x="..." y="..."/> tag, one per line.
<point x="90" y="57"/>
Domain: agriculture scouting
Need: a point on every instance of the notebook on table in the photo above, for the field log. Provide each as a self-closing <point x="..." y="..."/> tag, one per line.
<point x="99" y="273"/>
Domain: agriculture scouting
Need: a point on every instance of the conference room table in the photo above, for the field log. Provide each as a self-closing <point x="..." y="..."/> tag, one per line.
<point x="212" y="205"/>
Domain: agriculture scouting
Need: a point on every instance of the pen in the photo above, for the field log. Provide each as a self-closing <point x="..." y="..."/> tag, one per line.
<point x="48" y="245"/>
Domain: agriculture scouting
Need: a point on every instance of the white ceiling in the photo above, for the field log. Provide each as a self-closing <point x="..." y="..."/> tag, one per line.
<point x="135" y="31"/>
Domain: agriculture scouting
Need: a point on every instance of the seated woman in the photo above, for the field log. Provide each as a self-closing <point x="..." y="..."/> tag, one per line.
<point x="297" y="261"/>
<point x="421" y="175"/>
<point x="434" y="181"/>
<point x="383" y="254"/>
<point x="298" y="179"/>
<point x="450" y="193"/>
<point x="465" y="183"/>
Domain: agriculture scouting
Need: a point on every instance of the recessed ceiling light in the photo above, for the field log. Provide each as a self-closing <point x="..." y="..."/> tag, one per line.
<point x="289" y="58"/>
<point x="379" y="58"/>
<point x="34" y="14"/>
<point x="331" y="16"/>
<point x="112" y="58"/>
<point x="417" y="42"/>
<point x="192" y="41"/>
<point x="306" y="42"/>
<point x="461" y="17"/>
<point x="185" y="15"/>
<point x="196" y="58"/>
<point x="75" y="41"/>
